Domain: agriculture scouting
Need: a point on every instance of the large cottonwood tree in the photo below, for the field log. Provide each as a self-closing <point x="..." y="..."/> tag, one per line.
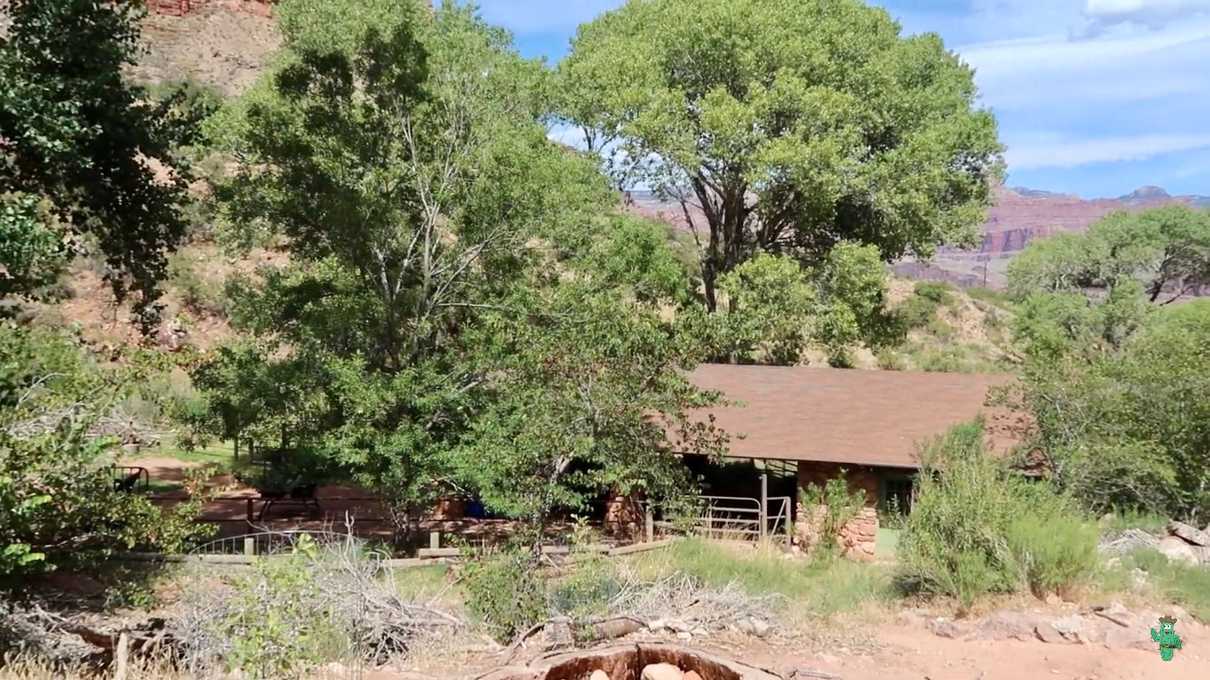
<point x="786" y="127"/>
<point x="79" y="145"/>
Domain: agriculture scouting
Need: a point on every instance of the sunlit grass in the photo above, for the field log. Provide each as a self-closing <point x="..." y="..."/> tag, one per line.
<point x="821" y="587"/>
<point x="1176" y="582"/>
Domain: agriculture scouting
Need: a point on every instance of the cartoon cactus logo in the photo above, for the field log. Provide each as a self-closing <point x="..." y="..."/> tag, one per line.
<point x="1167" y="638"/>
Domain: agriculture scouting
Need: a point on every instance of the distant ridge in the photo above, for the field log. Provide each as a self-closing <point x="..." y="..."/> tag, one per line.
<point x="1017" y="216"/>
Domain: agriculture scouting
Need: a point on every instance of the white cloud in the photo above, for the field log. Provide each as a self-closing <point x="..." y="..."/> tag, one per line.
<point x="1154" y="13"/>
<point x="1056" y="72"/>
<point x="1047" y="152"/>
<point x="568" y="135"/>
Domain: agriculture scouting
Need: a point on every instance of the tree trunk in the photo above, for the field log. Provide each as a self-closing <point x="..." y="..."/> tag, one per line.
<point x="709" y="279"/>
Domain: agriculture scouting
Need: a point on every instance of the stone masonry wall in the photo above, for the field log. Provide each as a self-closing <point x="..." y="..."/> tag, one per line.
<point x="858" y="536"/>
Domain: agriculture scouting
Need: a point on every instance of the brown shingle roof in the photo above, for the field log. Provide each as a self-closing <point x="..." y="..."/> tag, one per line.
<point x="844" y="416"/>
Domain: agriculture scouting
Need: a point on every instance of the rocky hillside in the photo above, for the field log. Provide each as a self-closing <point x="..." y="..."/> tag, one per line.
<point x="1021" y="215"/>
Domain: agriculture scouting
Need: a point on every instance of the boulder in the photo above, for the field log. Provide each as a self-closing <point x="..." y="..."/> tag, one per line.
<point x="1047" y="633"/>
<point x="1008" y="625"/>
<point x="679" y="626"/>
<point x="1189" y="534"/>
<point x="1175" y="548"/>
<point x="662" y="671"/>
<point x="1076" y="628"/>
<point x="598" y="674"/>
<point x="1115" y="612"/>
<point x="942" y="627"/>
<point x="1138" y="637"/>
<point x="761" y="628"/>
<point x="1127" y="542"/>
<point x="692" y="675"/>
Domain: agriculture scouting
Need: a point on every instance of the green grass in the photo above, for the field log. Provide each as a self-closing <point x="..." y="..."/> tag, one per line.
<point x="821" y="587"/>
<point x="219" y="453"/>
<point x="886" y="542"/>
<point x="1133" y="519"/>
<point x="422" y="583"/>
<point x="1179" y="583"/>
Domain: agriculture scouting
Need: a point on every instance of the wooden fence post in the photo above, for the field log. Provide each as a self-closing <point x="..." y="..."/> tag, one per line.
<point x="648" y="523"/>
<point x="764" y="509"/>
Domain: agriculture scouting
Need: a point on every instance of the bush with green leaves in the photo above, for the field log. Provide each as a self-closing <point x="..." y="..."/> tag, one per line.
<point x="1055" y="548"/>
<point x="921" y="308"/>
<point x="591" y="583"/>
<point x="279" y="623"/>
<point x="506" y="593"/>
<point x="57" y="492"/>
<point x="978" y="527"/>
<point x="58" y="499"/>
<point x="837" y="505"/>
<point x="1124" y="425"/>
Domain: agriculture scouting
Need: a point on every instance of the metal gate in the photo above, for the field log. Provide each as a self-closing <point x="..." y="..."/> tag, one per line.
<point x="763" y="519"/>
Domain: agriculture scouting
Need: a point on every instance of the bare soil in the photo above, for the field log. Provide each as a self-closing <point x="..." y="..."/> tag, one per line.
<point x="214" y="45"/>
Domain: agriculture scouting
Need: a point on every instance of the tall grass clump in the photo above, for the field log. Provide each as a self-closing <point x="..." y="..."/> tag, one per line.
<point x="1175" y="581"/>
<point x="820" y="587"/>
<point x="977" y="527"/>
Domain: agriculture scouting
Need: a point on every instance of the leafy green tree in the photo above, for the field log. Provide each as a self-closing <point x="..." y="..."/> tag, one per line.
<point x="777" y="310"/>
<point x="74" y="131"/>
<point x="399" y="153"/>
<point x="31" y="244"/>
<point x="588" y="394"/>
<point x="57" y="493"/>
<point x="1166" y="249"/>
<point x="772" y="306"/>
<point x="791" y="126"/>
<point x="1110" y="371"/>
<point x="1127" y="427"/>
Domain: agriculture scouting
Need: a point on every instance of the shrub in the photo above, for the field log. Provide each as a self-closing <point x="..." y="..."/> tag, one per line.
<point x="592" y="583"/>
<point x="279" y="624"/>
<point x="1185" y="584"/>
<point x="198" y="293"/>
<point x="505" y="592"/>
<point x="839" y="506"/>
<point x="890" y="360"/>
<point x="921" y="308"/>
<point x="976" y="527"/>
<point x="935" y="291"/>
<point x="1054" y="552"/>
<point x="57" y="497"/>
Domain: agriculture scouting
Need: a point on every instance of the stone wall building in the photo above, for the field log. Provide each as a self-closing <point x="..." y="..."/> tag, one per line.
<point x="865" y="425"/>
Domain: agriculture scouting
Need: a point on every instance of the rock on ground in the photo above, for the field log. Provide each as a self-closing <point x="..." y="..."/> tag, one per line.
<point x="1177" y="549"/>
<point x="662" y="671"/>
<point x="1189" y="534"/>
<point x="1008" y="625"/>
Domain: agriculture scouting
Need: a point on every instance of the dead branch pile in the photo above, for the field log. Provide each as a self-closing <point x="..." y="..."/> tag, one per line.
<point x="34" y="631"/>
<point x="347" y="592"/>
<point x="129" y="430"/>
<point x="679" y="600"/>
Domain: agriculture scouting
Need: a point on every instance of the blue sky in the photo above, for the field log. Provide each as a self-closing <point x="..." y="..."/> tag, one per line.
<point x="1094" y="97"/>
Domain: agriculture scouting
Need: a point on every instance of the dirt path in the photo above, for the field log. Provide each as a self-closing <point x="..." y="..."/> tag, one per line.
<point x="904" y="652"/>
